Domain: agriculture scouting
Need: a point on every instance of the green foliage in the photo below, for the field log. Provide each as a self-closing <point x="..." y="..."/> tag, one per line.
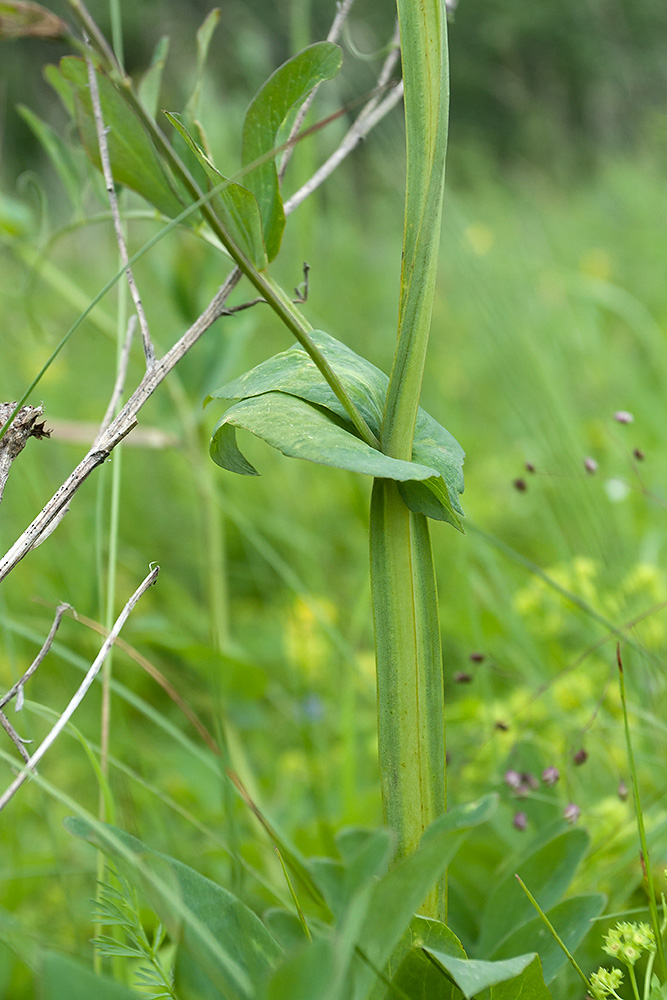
<point x="271" y="408"/>
<point x="269" y="111"/>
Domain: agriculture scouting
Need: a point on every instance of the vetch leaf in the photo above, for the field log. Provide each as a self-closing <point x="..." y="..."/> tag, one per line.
<point x="293" y="372"/>
<point x="224" y="946"/>
<point x="572" y="921"/>
<point x="134" y="161"/>
<point x="547" y="872"/>
<point x="300" y="430"/>
<point x="284" y="91"/>
<point x="235" y="205"/>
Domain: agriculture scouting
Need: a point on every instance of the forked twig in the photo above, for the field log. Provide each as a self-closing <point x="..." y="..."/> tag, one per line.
<point x="81" y="691"/>
<point x="149" y="350"/>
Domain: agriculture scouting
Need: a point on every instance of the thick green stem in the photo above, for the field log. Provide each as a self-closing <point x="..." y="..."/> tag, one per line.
<point x="405" y="601"/>
<point x="409" y="673"/>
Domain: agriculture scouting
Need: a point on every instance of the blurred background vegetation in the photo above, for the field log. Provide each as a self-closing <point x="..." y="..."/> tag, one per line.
<point x="550" y="318"/>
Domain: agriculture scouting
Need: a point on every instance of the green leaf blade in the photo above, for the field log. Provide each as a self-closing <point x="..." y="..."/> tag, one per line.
<point x="285" y="90"/>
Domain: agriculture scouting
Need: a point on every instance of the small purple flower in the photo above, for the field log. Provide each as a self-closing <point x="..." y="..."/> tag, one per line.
<point x="512" y="779"/>
<point x="580" y="757"/>
<point x="623" y="417"/>
<point x="550" y="776"/>
<point x="571" y="812"/>
<point x="462" y="677"/>
<point x="590" y="465"/>
<point x="520" y="821"/>
<point x="622" y="791"/>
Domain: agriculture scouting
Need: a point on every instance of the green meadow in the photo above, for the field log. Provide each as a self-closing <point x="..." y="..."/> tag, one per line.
<point x="253" y="653"/>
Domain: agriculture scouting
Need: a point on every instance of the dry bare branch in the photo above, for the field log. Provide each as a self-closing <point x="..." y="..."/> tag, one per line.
<point x="81" y="691"/>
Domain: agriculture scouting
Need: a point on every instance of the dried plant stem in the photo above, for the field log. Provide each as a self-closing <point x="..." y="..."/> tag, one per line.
<point x="83" y="688"/>
<point x="149" y="350"/>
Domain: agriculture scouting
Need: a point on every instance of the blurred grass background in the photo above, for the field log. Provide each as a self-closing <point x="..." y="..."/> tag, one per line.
<point x="550" y="318"/>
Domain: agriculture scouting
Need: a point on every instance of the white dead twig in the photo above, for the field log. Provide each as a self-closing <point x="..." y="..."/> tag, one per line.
<point x="13" y="441"/>
<point x="78" y="697"/>
<point x="149" y="350"/>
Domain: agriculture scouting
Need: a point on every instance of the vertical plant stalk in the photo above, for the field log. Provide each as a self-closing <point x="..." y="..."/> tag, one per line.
<point x="411" y="726"/>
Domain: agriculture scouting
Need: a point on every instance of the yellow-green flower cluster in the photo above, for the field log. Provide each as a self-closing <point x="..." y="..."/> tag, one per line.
<point x="605" y="982"/>
<point x="627" y="941"/>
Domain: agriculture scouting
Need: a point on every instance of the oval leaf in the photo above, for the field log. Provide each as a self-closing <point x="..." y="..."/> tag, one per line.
<point x="293" y="372"/>
<point x="283" y="92"/>
<point x="300" y="430"/>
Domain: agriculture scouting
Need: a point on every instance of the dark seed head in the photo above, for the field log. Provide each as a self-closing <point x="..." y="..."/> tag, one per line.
<point x="520" y="485"/>
<point x="476" y="657"/>
<point x="639" y="454"/>
<point x="529" y="467"/>
<point x="520" y="821"/>
<point x="502" y="726"/>
<point x="580" y="756"/>
<point x="462" y="677"/>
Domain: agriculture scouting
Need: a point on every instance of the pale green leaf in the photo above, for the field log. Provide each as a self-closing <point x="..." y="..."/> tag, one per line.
<point x="293" y="372"/>
<point x="473" y="976"/>
<point x="285" y="90"/>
